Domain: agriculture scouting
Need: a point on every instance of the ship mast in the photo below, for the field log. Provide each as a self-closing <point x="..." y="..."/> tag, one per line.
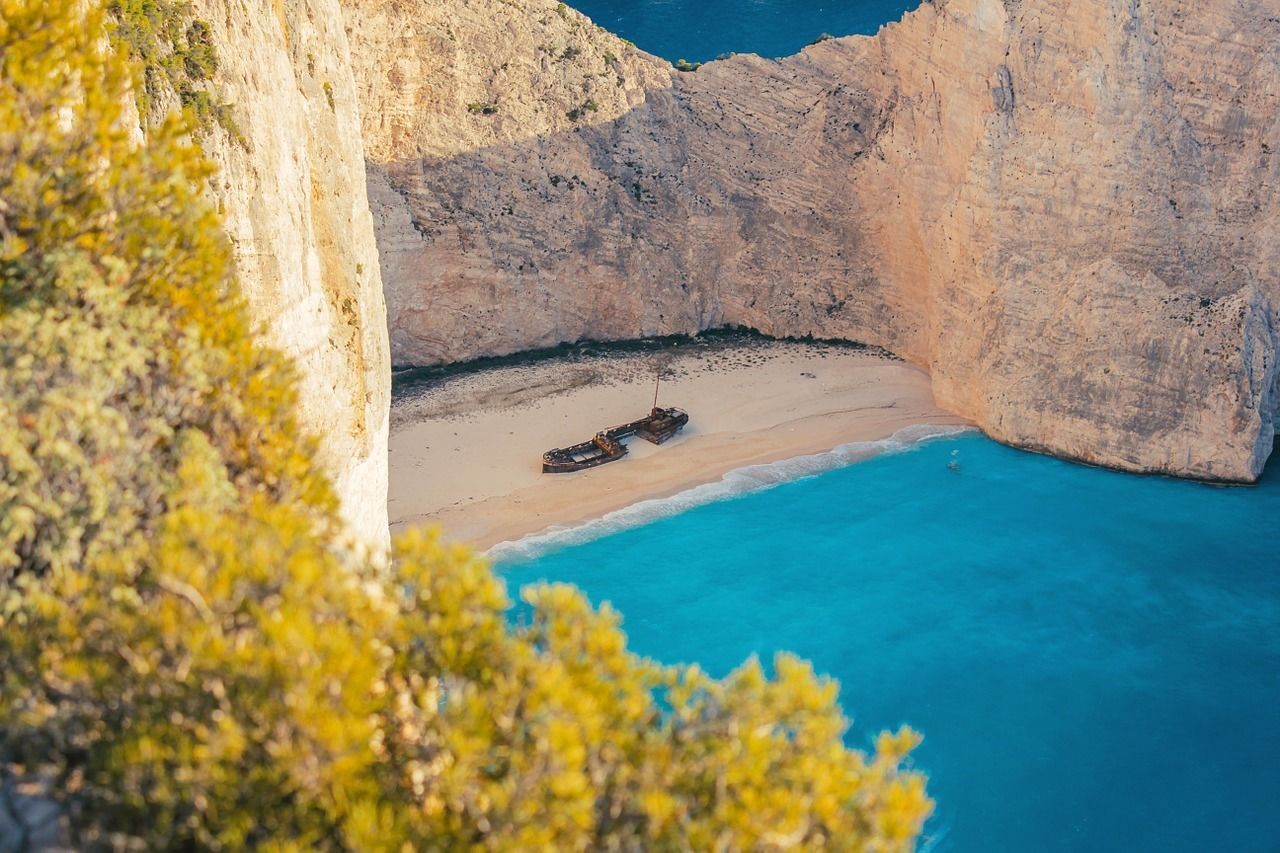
<point x="656" y="382"/>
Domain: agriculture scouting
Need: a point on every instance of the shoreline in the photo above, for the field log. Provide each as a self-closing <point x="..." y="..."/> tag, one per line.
<point x="739" y="481"/>
<point x="465" y="451"/>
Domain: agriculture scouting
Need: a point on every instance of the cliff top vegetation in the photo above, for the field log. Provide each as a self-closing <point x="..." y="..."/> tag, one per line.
<point x="174" y="55"/>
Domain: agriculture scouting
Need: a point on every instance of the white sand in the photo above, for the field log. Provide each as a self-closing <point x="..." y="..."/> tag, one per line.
<point x="466" y="454"/>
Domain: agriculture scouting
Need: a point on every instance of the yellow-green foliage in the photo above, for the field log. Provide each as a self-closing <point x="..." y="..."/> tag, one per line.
<point x="189" y="655"/>
<point x="549" y="737"/>
<point x="120" y="329"/>
<point x="174" y="53"/>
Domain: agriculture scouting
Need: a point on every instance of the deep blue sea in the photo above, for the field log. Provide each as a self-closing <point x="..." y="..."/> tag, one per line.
<point x="1093" y="657"/>
<point x="698" y="30"/>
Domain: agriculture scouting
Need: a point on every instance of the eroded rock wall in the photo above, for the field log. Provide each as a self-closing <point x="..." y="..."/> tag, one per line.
<point x="292" y="195"/>
<point x="1103" y="281"/>
<point x="1065" y="209"/>
<point x="439" y="80"/>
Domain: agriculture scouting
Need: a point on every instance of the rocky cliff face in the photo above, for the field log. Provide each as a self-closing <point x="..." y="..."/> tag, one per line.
<point x="439" y="81"/>
<point x="1066" y="210"/>
<point x="292" y="194"/>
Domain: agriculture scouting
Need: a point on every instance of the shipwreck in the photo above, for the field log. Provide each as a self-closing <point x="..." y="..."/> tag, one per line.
<point x="657" y="427"/>
<point x="660" y="425"/>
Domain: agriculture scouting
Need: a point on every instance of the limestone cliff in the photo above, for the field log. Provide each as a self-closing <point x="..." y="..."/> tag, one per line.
<point x="1065" y="209"/>
<point x="292" y="195"/>
<point x="439" y="80"/>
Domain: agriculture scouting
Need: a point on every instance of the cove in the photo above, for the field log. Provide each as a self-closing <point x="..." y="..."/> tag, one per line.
<point x="1093" y="657"/>
<point x="699" y="30"/>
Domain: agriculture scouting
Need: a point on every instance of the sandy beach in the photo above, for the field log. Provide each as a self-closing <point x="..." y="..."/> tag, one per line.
<point x="466" y="449"/>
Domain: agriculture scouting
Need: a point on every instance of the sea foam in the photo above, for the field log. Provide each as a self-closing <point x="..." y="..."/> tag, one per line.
<point x="752" y="478"/>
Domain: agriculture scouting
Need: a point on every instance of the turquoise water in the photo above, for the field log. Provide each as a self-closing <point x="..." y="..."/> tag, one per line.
<point x="703" y="29"/>
<point x="1094" y="658"/>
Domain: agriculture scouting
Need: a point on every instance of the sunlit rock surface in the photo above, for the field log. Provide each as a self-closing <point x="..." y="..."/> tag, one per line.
<point x="292" y="195"/>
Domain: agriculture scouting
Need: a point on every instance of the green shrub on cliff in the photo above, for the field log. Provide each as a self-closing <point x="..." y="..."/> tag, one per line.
<point x="191" y="657"/>
<point x="174" y="53"/>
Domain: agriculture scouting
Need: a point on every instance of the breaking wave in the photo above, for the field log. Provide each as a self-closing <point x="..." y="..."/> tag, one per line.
<point x="740" y="481"/>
